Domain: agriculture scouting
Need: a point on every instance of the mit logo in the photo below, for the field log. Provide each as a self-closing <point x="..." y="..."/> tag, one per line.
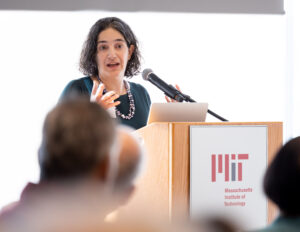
<point x="228" y="158"/>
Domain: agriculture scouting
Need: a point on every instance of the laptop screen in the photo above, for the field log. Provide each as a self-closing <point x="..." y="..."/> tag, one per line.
<point x="177" y="112"/>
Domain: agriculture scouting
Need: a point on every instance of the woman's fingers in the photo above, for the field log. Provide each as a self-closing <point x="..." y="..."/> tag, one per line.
<point x="113" y="104"/>
<point x="95" y="87"/>
<point x="100" y="90"/>
<point x="169" y="99"/>
<point x="97" y="91"/>
<point x="107" y="100"/>
<point x="177" y="87"/>
<point x="109" y="96"/>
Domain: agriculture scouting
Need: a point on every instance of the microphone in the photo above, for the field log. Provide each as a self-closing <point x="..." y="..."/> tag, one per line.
<point x="172" y="92"/>
<point x="169" y="90"/>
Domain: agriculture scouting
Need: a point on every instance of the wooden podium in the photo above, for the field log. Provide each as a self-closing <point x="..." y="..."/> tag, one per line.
<point x="164" y="184"/>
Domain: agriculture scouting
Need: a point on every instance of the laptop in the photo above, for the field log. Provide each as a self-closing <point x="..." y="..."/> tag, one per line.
<point x="177" y="112"/>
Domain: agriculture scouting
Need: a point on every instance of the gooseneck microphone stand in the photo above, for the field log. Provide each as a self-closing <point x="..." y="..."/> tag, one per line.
<point x="179" y="96"/>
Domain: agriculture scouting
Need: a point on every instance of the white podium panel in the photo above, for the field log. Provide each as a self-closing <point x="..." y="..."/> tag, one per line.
<point x="227" y="164"/>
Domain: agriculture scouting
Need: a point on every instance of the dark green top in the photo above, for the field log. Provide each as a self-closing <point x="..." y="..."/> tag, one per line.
<point x="283" y="224"/>
<point x="83" y="86"/>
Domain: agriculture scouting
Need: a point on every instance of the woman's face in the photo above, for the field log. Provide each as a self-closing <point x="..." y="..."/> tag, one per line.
<point x="112" y="54"/>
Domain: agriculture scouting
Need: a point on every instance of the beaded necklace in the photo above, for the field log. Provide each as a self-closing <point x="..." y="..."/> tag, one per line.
<point x="131" y="104"/>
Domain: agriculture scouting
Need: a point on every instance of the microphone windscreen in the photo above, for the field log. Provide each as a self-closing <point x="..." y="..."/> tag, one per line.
<point x="146" y="73"/>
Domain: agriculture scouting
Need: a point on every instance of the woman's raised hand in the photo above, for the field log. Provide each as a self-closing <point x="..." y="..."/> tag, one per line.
<point x="170" y="99"/>
<point x="105" y="100"/>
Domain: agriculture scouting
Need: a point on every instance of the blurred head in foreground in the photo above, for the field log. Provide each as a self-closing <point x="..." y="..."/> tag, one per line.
<point x="87" y="169"/>
<point x="130" y="163"/>
<point x="282" y="178"/>
<point x="78" y="139"/>
<point x="216" y="224"/>
<point x="77" y="159"/>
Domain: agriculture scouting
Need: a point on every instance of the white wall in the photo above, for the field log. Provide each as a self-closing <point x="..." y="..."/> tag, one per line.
<point x="236" y="63"/>
<point x="293" y="69"/>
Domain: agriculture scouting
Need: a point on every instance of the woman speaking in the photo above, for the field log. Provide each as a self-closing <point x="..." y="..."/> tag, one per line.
<point x="110" y="54"/>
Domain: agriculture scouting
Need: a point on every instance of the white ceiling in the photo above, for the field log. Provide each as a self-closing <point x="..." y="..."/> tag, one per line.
<point x="203" y="6"/>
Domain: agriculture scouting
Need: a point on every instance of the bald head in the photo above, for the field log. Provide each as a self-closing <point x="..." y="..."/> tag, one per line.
<point x="130" y="158"/>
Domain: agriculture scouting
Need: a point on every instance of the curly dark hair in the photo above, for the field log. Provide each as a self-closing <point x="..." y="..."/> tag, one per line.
<point x="88" y="64"/>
